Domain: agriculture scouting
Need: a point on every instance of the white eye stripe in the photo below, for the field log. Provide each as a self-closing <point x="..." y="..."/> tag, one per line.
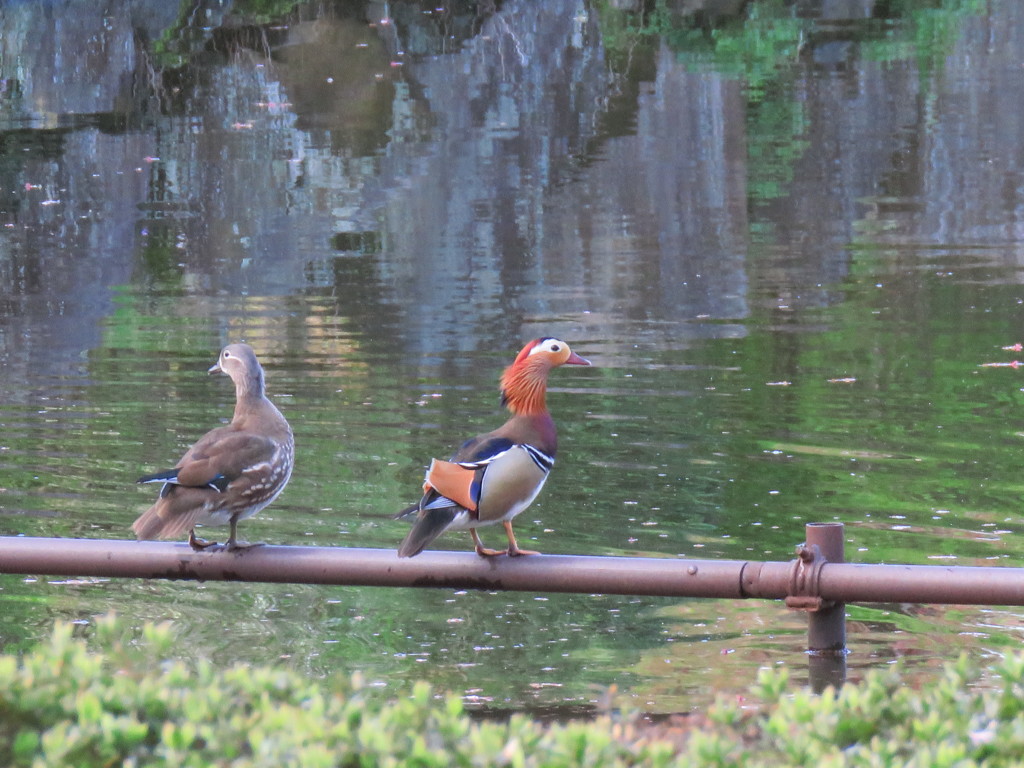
<point x="548" y="345"/>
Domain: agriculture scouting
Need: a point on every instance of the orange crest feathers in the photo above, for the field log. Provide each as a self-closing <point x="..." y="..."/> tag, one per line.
<point x="525" y="352"/>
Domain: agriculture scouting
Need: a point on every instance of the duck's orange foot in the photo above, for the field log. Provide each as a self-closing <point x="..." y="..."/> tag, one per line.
<point x="199" y="544"/>
<point x="517" y="552"/>
<point x="513" y="545"/>
<point x="236" y="546"/>
<point x="481" y="549"/>
<point x="485" y="552"/>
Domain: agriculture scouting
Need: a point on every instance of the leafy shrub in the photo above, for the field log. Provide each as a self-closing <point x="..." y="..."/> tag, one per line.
<point x="64" y="705"/>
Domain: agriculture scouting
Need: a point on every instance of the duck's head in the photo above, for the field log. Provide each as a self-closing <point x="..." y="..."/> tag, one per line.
<point x="524" y="383"/>
<point x="239" y="362"/>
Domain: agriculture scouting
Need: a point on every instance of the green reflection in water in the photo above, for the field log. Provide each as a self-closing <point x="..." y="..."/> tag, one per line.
<point x="762" y="45"/>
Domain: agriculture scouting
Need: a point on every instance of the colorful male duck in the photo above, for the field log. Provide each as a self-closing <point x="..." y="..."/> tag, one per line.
<point x="495" y="476"/>
<point x="233" y="471"/>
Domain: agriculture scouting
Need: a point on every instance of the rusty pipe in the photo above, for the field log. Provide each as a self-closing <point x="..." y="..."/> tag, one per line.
<point x="373" y="567"/>
<point x="659" y="577"/>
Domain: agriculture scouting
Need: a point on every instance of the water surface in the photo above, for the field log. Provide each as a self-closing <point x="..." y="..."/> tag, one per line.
<point x="788" y="239"/>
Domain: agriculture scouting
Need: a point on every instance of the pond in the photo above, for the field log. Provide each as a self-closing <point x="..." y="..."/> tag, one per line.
<point x="788" y="236"/>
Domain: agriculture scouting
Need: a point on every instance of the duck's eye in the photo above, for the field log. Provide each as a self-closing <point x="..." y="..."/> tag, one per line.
<point x="555" y="347"/>
<point x="226" y="354"/>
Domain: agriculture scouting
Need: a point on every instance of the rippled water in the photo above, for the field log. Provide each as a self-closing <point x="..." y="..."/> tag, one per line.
<point x="789" y="264"/>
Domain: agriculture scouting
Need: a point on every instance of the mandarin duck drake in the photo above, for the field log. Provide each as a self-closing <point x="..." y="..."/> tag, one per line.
<point x="495" y="476"/>
<point x="233" y="471"/>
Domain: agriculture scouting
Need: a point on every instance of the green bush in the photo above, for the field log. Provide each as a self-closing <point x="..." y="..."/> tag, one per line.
<point x="62" y="704"/>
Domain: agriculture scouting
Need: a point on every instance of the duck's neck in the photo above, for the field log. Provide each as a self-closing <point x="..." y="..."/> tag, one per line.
<point x="524" y="388"/>
<point x="249" y="390"/>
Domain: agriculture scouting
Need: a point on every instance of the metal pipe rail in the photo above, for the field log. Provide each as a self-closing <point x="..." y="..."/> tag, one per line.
<point x="383" y="568"/>
<point x="661" y="577"/>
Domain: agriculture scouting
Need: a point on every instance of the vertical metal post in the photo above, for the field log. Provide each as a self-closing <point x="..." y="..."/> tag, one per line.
<point x="826" y="626"/>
